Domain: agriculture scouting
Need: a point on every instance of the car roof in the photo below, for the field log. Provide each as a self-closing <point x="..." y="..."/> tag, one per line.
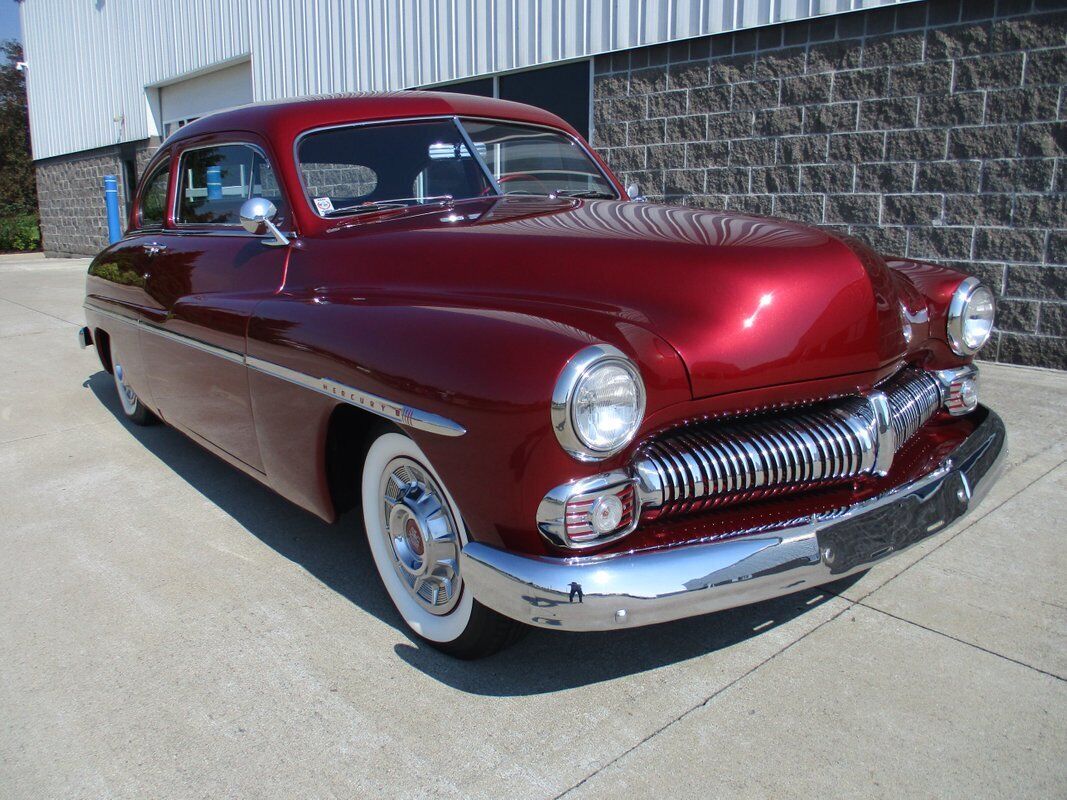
<point x="281" y="119"/>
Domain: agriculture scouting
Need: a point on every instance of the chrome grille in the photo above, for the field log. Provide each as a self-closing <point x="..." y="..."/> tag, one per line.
<point x="704" y="465"/>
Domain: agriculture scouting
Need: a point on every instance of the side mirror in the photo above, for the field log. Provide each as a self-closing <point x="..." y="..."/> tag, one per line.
<point x="634" y="192"/>
<point x="257" y="217"/>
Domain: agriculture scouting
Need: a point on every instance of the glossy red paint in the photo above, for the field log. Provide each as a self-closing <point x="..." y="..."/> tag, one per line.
<point x="471" y="312"/>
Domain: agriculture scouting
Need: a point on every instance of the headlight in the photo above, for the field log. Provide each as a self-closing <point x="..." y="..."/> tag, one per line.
<point x="598" y="403"/>
<point x="970" y="317"/>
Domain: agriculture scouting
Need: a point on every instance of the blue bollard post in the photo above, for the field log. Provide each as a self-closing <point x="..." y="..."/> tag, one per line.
<point x="214" y="183"/>
<point x="111" y="201"/>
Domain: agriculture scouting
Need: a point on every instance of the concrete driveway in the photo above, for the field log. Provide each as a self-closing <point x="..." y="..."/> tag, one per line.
<point x="169" y="628"/>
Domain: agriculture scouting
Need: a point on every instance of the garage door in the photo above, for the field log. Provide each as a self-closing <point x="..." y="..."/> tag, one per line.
<point x="186" y="100"/>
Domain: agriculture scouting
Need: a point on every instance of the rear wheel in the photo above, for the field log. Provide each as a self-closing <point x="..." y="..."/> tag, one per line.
<point x="132" y="407"/>
<point x="415" y="533"/>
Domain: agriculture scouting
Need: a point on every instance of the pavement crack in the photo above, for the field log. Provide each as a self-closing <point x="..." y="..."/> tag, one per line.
<point x="703" y="703"/>
<point x="38" y="311"/>
<point x="962" y="641"/>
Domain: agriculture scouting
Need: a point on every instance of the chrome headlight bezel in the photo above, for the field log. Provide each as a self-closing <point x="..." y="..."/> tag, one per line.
<point x="957" y="314"/>
<point x="579" y="366"/>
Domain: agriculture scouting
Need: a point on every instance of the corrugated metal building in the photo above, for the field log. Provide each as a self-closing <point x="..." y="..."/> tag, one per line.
<point x="108" y="79"/>
<point x="931" y="128"/>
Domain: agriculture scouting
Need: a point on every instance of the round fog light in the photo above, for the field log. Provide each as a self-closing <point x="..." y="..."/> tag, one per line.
<point x="606" y="514"/>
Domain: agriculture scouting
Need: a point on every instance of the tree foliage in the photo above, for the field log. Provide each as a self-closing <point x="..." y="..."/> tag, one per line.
<point x="18" y="194"/>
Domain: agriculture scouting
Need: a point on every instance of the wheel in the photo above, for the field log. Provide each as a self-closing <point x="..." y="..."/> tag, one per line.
<point x="415" y="533"/>
<point x="132" y="407"/>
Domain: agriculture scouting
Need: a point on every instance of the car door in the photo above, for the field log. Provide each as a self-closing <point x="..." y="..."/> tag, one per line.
<point x="205" y="274"/>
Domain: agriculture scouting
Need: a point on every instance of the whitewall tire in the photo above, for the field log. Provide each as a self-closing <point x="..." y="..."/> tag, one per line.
<point x="415" y="532"/>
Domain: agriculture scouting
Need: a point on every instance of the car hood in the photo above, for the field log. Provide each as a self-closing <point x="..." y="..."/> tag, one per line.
<point x="746" y="301"/>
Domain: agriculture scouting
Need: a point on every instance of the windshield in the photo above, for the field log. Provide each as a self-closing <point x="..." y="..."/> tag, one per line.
<point x="528" y="160"/>
<point x="367" y="168"/>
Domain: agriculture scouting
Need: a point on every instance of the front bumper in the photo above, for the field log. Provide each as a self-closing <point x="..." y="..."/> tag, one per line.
<point x="643" y="588"/>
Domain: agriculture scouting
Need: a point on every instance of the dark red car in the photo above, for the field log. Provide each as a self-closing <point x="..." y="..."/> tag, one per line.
<point x="555" y="406"/>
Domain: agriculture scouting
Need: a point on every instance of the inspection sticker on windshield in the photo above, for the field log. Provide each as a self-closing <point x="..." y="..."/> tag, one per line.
<point x="324" y="205"/>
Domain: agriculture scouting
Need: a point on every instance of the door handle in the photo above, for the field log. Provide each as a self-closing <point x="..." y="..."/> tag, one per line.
<point x="154" y="248"/>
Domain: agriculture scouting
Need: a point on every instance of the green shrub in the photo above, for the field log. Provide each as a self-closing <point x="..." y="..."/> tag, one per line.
<point x="20" y="233"/>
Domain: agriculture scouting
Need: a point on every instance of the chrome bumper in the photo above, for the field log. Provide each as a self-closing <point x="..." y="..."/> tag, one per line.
<point x="642" y="588"/>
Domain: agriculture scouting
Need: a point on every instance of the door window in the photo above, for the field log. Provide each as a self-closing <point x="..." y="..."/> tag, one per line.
<point x="154" y="197"/>
<point x="215" y="182"/>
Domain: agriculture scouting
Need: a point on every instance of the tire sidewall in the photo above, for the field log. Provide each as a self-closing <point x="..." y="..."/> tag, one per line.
<point x="441" y="629"/>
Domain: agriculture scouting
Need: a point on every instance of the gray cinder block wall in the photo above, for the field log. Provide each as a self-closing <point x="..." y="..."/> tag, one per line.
<point x="932" y="130"/>
<point x="70" y="196"/>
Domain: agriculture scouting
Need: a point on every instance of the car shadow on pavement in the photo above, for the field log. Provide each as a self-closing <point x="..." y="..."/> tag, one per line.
<point x="337" y="555"/>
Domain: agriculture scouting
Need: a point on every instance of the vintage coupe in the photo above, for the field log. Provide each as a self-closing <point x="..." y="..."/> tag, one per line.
<point x="554" y="405"/>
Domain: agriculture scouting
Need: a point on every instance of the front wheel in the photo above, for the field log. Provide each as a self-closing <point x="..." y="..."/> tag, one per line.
<point x="134" y="410"/>
<point x="415" y="533"/>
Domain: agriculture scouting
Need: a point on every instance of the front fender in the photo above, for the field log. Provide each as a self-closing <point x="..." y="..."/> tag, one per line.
<point x="491" y="370"/>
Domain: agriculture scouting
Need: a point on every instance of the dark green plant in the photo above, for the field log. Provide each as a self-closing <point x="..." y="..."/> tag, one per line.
<point x="20" y="233"/>
<point x="17" y="190"/>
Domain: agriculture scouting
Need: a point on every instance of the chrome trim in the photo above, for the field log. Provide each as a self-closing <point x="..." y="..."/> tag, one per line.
<point x="954" y="317"/>
<point x="563" y="393"/>
<point x="397" y="412"/>
<point x="469" y="143"/>
<point x="669" y="583"/>
<point x="552" y="510"/>
<point x="230" y="228"/>
<point x="885" y="446"/>
<point x="857" y="436"/>
<point x="948" y="379"/>
<point x="85" y="337"/>
<point x="110" y="314"/>
<point x="212" y="350"/>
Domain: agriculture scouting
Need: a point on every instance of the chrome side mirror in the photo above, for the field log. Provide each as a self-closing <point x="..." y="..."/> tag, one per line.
<point x="634" y="193"/>
<point x="257" y="215"/>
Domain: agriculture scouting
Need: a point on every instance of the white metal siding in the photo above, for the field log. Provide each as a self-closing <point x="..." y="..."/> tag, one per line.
<point x="91" y="62"/>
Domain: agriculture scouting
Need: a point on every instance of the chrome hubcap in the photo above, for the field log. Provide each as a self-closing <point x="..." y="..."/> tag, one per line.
<point x="126" y="394"/>
<point x="423" y="536"/>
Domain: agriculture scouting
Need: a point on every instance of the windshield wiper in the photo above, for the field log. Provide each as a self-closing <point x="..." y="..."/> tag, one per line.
<point x="590" y="194"/>
<point x="385" y="205"/>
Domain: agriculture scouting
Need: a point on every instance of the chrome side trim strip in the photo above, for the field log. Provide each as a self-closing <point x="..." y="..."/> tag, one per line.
<point x="397" y="412"/>
<point x="212" y="350"/>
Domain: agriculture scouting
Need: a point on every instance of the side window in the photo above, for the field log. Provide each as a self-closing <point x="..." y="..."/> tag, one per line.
<point x="215" y="181"/>
<point x="154" y="197"/>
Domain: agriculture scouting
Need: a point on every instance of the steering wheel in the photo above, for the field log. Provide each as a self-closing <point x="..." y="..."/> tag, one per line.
<point x="514" y="176"/>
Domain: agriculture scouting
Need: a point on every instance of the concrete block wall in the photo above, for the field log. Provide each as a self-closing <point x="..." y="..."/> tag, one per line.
<point x="933" y="130"/>
<point x="70" y="194"/>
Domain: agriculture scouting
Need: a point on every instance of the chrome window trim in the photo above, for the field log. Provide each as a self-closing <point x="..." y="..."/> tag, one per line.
<point x="456" y="118"/>
<point x="140" y="227"/>
<point x="469" y="143"/>
<point x="954" y="317"/>
<point x="380" y="406"/>
<point x="220" y="227"/>
<point x="563" y="393"/>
